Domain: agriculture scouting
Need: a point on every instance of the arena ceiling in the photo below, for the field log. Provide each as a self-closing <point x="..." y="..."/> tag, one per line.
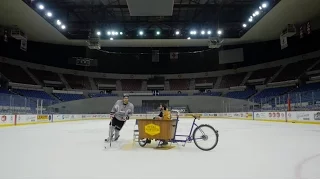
<point x="84" y="16"/>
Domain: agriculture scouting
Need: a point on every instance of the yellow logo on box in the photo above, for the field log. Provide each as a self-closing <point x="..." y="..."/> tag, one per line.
<point x="42" y="117"/>
<point x="152" y="129"/>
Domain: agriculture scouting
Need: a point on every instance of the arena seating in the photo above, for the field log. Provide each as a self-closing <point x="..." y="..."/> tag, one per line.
<point x="306" y="93"/>
<point x="77" y="82"/>
<point x="104" y="81"/>
<point x="294" y="70"/>
<point x="207" y="94"/>
<point x="264" y="73"/>
<point x="131" y="85"/>
<point x="4" y="91"/>
<point x="232" y="80"/>
<point x="15" y="74"/>
<point x="68" y="97"/>
<point x="179" y="84"/>
<point x="210" y="80"/>
<point x="92" y="95"/>
<point x="271" y="92"/>
<point x="43" y="75"/>
<point x="173" y="94"/>
<point x="307" y="87"/>
<point x="33" y="94"/>
<point x="241" y="94"/>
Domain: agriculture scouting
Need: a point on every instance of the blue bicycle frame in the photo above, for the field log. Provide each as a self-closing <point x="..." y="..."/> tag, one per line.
<point x="188" y="137"/>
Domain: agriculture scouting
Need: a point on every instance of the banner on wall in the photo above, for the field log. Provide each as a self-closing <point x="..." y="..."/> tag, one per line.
<point x="270" y="116"/>
<point x="44" y="118"/>
<point x="3" y="118"/>
<point x="6" y="119"/>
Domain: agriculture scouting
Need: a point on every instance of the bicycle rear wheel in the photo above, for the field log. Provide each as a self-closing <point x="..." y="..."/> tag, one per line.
<point x="207" y="134"/>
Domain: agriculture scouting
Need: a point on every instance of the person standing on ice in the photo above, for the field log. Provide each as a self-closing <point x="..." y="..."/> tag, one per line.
<point x="120" y="113"/>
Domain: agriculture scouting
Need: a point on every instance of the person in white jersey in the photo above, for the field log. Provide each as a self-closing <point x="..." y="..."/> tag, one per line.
<point x="120" y="113"/>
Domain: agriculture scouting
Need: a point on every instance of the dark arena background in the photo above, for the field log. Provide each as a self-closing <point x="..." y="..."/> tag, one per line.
<point x="220" y="61"/>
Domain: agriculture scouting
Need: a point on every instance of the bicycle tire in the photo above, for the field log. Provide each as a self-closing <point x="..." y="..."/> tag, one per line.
<point x="215" y="132"/>
<point x="142" y="143"/>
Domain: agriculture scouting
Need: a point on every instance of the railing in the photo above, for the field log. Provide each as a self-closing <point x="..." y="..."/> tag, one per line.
<point x="299" y="101"/>
<point x="15" y="104"/>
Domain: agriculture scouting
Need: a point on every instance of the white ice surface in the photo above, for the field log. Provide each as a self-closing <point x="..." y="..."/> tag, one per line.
<point x="246" y="149"/>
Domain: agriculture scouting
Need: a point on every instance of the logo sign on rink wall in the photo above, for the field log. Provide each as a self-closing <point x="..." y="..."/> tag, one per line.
<point x="6" y="119"/>
<point x="44" y="118"/>
<point x="270" y="116"/>
<point x="305" y="116"/>
<point x="316" y="116"/>
<point x="3" y="118"/>
<point x="276" y="116"/>
<point x="25" y="119"/>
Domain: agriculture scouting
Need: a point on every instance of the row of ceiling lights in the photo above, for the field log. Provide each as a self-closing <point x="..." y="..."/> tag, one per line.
<point x="255" y="14"/>
<point x="49" y="14"/>
<point x="141" y="33"/>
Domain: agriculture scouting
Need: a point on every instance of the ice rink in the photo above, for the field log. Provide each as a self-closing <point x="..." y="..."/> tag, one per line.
<point x="246" y="149"/>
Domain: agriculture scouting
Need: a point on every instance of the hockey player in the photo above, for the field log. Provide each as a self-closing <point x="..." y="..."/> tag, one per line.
<point x="120" y="113"/>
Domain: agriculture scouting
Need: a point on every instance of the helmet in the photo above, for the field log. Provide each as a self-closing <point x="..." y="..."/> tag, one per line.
<point x="125" y="95"/>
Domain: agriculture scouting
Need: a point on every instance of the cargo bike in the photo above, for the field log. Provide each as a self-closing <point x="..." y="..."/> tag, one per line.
<point x="166" y="130"/>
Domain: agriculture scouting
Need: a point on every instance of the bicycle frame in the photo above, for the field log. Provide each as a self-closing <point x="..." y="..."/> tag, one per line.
<point x="188" y="137"/>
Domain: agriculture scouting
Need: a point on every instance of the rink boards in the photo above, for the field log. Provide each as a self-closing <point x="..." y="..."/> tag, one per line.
<point x="310" y="117"/>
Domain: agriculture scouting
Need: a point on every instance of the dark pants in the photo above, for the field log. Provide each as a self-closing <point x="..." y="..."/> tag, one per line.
<point x="118" y="124"/>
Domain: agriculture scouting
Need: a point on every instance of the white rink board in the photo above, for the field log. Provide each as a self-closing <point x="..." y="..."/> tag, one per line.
<point x="304" y="116"/>
<point x="292" y="116"/>
<point x="234" y="115"/>
<point x="273" y="116"/>
<point x="26" y="119"/>
<point x="77" y="117"/>
<point x="66" y="117"/>
<point x="6" y="120"/>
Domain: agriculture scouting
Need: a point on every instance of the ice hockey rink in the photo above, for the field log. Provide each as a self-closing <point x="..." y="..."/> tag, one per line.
<point x="246" y="149"/>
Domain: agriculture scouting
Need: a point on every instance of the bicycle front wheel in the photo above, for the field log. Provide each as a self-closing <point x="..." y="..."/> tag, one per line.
<point x="205" y="137"/>
<point x="142" y="142"/>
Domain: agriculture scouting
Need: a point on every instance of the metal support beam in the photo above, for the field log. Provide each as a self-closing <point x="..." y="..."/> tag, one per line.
<point x="176" y="6"/>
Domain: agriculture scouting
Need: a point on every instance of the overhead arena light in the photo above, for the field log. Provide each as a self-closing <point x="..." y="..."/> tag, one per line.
<point x="108" y="33"/>
<point x="41" y="7"/>
<point x="193" y="32"/>
<point x="250" y="19"/>
<point x="140" y="32"/>
<point x="219" y="32"/>
<point x="264" y="5"/>
<point x="49" y="14"/>
<point x="59" y="22"/>
<point x="121" y="33"/>
<point x="158" y="32"/>
<point x="63" y="27"/>
<point x="189" y="38"/>
<point x="203" y="32"/>
<point x="244" y="25"/>
<point x="111" y="38"/>
<point x="177" y="32"/>
<point x="257" y="13"/>
<point x="98" y="33"/>
<point x="209" y="32"/>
